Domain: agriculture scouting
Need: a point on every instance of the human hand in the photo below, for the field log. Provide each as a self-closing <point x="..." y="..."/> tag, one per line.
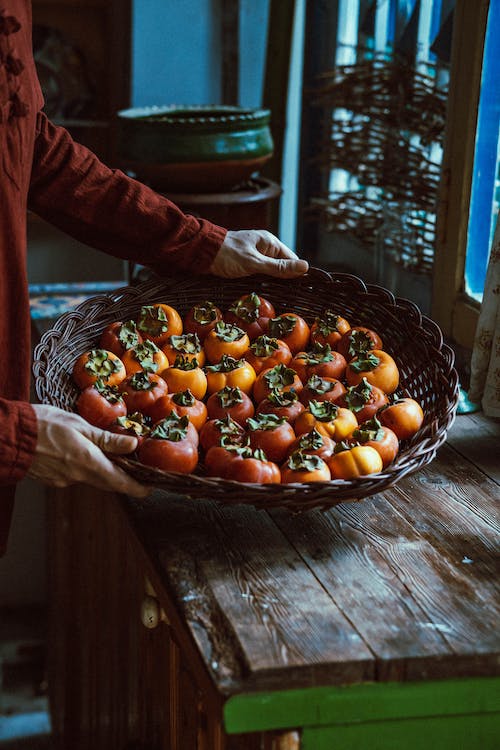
<point x="245" y="252"/>
<point x="70" y="450"/>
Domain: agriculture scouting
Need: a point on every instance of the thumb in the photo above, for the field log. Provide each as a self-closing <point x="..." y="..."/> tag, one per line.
<point x="285" y="268"/>
<point x="109" y="442"/>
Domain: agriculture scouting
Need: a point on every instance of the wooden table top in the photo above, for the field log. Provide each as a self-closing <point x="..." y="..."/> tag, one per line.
<point x="401" y="586"/>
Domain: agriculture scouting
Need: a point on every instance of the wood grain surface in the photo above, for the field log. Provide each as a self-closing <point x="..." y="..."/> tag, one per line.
<point x="401" y="586"/>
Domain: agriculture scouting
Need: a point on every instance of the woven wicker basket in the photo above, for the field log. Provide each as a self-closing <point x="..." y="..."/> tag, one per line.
<point x="416" y="343"/>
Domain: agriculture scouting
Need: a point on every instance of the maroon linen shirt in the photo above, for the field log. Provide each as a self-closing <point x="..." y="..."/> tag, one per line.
<point x="43" y="169"/>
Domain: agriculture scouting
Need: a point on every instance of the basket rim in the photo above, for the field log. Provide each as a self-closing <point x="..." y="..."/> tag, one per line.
<point x="324" y="493"/>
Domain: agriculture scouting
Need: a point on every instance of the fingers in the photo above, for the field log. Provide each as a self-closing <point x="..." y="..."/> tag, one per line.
<point x="282" y="267"/>
<point x="116" y="478"/>
<point x="246" y="252"/>
<point x="106" y="441"/>
<point x="110" y="477"/>
<point x="271" y="246"/>
<point x="97" y="471"/>
<point x="112" y="443"/>
<point x="280" y="260"/>
<point x="70" y="450"/>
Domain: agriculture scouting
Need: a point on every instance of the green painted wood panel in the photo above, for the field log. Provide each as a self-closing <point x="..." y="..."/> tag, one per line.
<point x="434" y="733"/>
<point x="356" y="704"/>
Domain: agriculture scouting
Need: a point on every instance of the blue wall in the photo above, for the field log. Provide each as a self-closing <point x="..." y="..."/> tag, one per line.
<point x="253" y="40"/>
<point x="176" y="52"/>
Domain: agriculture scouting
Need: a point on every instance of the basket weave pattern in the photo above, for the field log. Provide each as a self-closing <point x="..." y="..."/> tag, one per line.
<point x="415" y="342"/>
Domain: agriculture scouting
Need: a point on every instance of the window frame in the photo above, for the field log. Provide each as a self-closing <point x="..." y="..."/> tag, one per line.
<point x="454" y="311"/>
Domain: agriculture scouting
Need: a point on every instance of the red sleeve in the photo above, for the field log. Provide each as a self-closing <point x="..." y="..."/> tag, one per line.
<point x="107" y="210"/>
<point x="18" y="435"/>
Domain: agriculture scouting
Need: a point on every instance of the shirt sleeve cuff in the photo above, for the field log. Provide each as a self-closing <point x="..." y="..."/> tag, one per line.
<point x="197" y="252"/>
<point x="26" y="433"/>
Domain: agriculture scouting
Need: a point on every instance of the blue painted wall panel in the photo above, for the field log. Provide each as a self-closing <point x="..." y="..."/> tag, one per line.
<point x="254" y="17"/>
<point x="175" y="52"/>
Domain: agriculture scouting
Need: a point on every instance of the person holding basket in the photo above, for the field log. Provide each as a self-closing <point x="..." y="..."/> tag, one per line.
<point x="44" y="170"/>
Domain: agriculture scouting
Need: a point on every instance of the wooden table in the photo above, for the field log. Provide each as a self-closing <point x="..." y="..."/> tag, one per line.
<point x="373" y="625"/>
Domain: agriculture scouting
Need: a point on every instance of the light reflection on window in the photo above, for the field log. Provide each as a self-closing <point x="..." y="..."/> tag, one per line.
<point x="485" y="191"/>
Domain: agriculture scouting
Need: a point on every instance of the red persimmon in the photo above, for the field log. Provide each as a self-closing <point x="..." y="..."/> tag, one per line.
<point x="328" y="328"/>
<point x="141" y="391"/>
<point x="241" y="464"/>
<point x="283" y="404"/>
<point x="171" y="446"/>
<point x="98" y="364"/>
<point x="321" y="389"/>
<point x="251" y="313"/>
<point x="358" y="340"/>
<point x="302" y="467"/>
<point x="135" y="424"/>
<point x="232" y="401"/>
<point x="217" y="459"/>
<point x="158" y="322"/>
<point x="278" y="378"/>
<point x="266" y="352"/>
<point x="364" y="400"/>
<point x="183" y="403"/>
<point x="321" y="361"/>
<point x="271" y="434"/>
<point x="404" y="416"/>
<point x="101" y="404"/>
<point x="292" y="329"/>
<point x="214" y="431"/>
<point x="118" y="337"/>
<point x="201" y="318"/>
<point x="253" y="466"/>
<point x="313" y="443"/>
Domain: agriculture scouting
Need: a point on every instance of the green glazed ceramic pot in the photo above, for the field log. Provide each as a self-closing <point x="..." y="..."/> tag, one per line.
<point x="198" y="148"/>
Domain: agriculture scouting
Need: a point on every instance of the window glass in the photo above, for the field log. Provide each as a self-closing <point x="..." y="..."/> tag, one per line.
<point x="485" y="195"/>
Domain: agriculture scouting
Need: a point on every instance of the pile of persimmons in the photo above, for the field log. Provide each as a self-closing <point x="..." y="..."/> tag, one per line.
<point x="247" y="394"/>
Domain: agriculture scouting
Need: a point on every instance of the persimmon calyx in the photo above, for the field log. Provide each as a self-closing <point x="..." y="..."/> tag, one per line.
<point x="173" y="428"/>
<point x="265" y="422"/>
<point x="152" y="320"/>
<point x="101" y="364"/>
<point x="282" y="326"/>
<point x="264" y="346"/>
<point x="323" y="411"/>
<point x="186" y="343"/>
<point x="228" y="332"/>
<point x="247" y="308"/>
